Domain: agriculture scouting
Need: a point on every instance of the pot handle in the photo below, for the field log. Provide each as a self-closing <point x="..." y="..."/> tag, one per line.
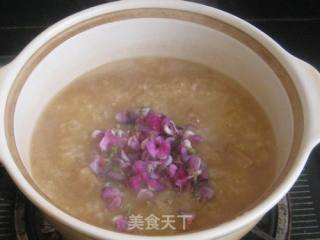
<point x="3" y="74"/>
<point x="311" y="80"/>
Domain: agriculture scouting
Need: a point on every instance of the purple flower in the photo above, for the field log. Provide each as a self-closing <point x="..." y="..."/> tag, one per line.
<point x="127" y="117"/>
<point x="155" y="185"/>
<point x="112" y="137"/>
<point x="205" y="193"/>
<point x="124" y="156"/>
<point x="139" y="167"/>
<point x="121" y="222"/>
<point x="135" y="182"/>
<point x="181" y="178"/>
<point x="191" y="135"/>
<point x="184" y="153"/>
<point x="112" y="196"/>
<point x="98" y="166"/>
<point x="147" y="155"/>
<point x="158" y="148"/>
<point x="195" y="163"/>
<point x="153" y="121"/>
<point x="172" y="169"/>
<point x="118" y="176"/>
<point x="133" y="143"/>
<point x="204" y="176"/>
<point x="196" y="138"/>
<point x="151" y="169"/>
<point x="145" y="194"/>
<point x="97" y="134"/>
<point x="169" y="126"/>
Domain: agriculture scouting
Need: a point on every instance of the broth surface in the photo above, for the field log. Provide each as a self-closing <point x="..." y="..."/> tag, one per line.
<point x="239" y="146"/>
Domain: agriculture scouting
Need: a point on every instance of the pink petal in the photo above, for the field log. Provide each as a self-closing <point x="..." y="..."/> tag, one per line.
<point x="112" y="196"/>
<point x="205" y="193"/>
<point x="151" y="169"/>
<point x="115" y="203"/>
<point x="116" y="176"/>
<point x="151" y="147"/>
<point x="124" y="156"/>
<point x="153" y="121"/>
<point x="195" y="163"/>
<point x="164" y="150"/>
<point x="155" y="185"/>
<point x="172" y="170"/>
<point x="97" y="134"/>
<point x="145" y="194"/>
<point x="145" y="111"/>
<point x="133" y="143"/>
<point x="122" y="117"/>
<point x="168" y="161"/>
<point x="181" y="179"/>
<point x="135" y="182"/>
<point x="110" y="192"/>
<point x="133" y="156"/>
<point x="169" y="126"/>
<point x="184" y="154"/>
<point x="196" y="138"/>
<point x="204" y="176"/>
<point x="106" y="141"/>
<point x="139" y="167"/>
<point x="98" y="166"/>
<point x="121" y="223"/>
<point x="127" y="117"/>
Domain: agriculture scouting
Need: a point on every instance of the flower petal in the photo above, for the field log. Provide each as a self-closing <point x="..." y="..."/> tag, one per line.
<point x="98" y="166"/>
<point x="122" y="117"/>
<point x="128" y="117"/>
<point x="110" y="192"/>
<point x="151" y="147"/>
<point x="145" y="194"/>
<point x="139" y="167"/>
<point x="115" y="203"/>
<point x="124" y="156"/>
<point x="135" y="182"/>
<point x="205" y="193"/>
<point x="155" y="185"/>
<point x="172" y="170"/>
<point x="153" y="121"/>
<point x="97" y="134"/>
<point x="196" y="138"/>
<point x="118" y="176"/>
<point x="133" y="143"/>
<point x="163" y="150"/>
<point x="106" y="141"/>
<point x="195" y="163"/>
<point x="121" y="222"/>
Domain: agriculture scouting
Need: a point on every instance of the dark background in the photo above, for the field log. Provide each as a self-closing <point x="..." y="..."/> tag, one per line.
<point x="295" y="24"/>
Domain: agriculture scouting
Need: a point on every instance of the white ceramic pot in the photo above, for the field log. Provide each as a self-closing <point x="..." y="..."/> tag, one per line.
<point x="287" y="88"/>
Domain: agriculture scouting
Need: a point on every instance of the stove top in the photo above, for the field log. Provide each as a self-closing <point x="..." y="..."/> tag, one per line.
<point x="294" y="24"/>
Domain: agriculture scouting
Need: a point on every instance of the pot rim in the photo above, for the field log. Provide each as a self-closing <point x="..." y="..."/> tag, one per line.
<point x="223" y="229"/>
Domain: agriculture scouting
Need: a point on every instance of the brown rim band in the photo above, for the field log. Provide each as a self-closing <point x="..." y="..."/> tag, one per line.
<point x="207" y="21"/>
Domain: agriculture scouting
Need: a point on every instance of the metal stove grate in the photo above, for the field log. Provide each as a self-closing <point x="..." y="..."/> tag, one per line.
<point x="304" y="221"/>
<point x="7" y="205"/>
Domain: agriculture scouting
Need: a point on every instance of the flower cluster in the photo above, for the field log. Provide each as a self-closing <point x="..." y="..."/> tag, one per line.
<point x="148" y="153"/>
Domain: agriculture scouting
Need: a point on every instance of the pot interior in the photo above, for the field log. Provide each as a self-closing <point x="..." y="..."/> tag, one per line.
<point x="151" y="32"/>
